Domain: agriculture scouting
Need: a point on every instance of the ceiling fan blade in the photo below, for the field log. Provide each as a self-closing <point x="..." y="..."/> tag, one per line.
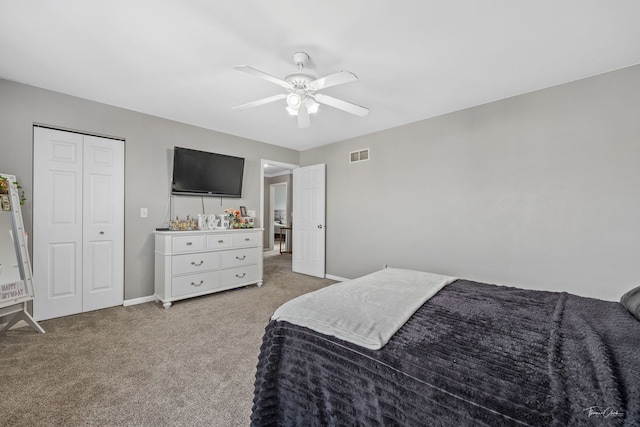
<point x="260" y="102"/>
<point x="263" y="75"/>
<point x="340" y="104"/>
<point x="303" y="116"/>
<point x="333" y="80"/>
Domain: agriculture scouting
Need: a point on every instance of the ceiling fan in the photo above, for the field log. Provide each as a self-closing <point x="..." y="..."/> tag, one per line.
<point x="302" y="91"/>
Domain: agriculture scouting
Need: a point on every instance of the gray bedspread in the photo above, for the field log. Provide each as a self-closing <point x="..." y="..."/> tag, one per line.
<point x="475" y="354"/>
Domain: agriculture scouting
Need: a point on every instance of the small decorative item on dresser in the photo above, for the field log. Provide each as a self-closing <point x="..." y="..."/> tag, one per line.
<point x="234" y="218"/>
<point x="187" y="224"/>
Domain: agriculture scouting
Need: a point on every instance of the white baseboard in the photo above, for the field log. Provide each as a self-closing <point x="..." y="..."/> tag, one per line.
<point x="140" y="300"/>
<point x="332" y="277"/>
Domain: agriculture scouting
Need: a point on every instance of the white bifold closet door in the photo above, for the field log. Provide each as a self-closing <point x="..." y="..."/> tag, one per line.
<point x="78" y="223"/>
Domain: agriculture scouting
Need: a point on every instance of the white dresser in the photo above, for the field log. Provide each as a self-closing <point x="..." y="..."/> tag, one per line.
<point x="193" y="263"/>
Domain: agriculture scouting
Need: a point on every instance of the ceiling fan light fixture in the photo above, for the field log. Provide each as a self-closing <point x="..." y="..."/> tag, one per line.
<point x="291" y="111"/>
<point x="312" y="107"/>
<point x="294" y="100"/>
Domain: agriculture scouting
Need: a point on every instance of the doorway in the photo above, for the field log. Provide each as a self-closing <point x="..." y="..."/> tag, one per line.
<point x="276" y="192"/>
<point x="280" y="212"/>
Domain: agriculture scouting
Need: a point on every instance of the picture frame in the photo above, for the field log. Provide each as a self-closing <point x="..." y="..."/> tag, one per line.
<point x="243" y="211"/>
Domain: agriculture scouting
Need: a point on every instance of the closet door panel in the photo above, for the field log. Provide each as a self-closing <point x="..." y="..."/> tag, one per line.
<point x="103" y="212"/>
<point x="57" y="224"/>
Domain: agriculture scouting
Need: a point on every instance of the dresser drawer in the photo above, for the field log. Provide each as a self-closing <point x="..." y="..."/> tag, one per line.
<point x="246" y="239"/>
<point x="235" y="276"/>
<point x="188" y="243"/>
<point x="239" y="257"/>
<point x="220" y="241"/>
<point x="195" y="283"/>
<point x="195" y="263"/>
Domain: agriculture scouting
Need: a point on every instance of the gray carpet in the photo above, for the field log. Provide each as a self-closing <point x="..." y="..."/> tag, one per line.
<point x="190" y="365"/>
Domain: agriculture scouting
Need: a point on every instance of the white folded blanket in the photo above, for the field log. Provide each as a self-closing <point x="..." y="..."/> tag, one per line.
<point x="366" y="311"/>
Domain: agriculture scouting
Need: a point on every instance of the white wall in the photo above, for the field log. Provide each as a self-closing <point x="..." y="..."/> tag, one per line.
<point x="539" y="191"/>
<point x="149" y="142"/>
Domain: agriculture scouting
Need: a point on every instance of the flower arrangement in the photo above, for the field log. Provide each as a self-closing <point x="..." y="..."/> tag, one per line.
<point x="4" y="185"/>
<point x="233" y="214"/>
<point x="4" y="188"/>
<point x="236" y="220"/>
<point x="234" y="217"/>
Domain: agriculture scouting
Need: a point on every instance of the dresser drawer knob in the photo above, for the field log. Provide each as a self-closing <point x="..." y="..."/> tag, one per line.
<point x="241" y="276"/>
<point x="221" y="241"/>
<point x="189" y="243"/>
<point x="197" y="284"/>
<point x="197" y="264"/>
<point x="246" y="239"/>
<point x="241" y="258"/>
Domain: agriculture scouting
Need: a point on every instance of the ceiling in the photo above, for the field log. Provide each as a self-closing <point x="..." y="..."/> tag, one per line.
<point x="271" y="170"/>
<point x="415" y="59"/>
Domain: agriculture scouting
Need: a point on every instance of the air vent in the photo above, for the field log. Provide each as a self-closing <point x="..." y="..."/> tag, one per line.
<point x="359" y="155"/>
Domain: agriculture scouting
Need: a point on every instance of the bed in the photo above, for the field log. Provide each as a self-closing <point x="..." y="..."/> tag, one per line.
<point x="472" y="354"/>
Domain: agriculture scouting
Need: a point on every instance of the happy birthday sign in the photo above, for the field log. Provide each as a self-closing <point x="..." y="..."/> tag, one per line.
<point x="10" y="291"/>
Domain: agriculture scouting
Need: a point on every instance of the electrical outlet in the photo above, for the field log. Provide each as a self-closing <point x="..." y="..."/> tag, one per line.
<point x="144" y="213"/>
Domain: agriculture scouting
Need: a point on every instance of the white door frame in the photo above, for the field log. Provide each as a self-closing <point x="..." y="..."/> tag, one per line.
<point x="263" y="218"/>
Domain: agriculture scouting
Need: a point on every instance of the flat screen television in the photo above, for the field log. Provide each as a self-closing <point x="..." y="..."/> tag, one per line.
<point x="199" y="173"/>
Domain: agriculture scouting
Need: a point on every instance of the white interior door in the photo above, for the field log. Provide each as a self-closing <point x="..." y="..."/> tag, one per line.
<point x="309" y="188"/>
<point x="57" y="223"/>
<point x="78" y="194"/>
<point x="103" y="225"/>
